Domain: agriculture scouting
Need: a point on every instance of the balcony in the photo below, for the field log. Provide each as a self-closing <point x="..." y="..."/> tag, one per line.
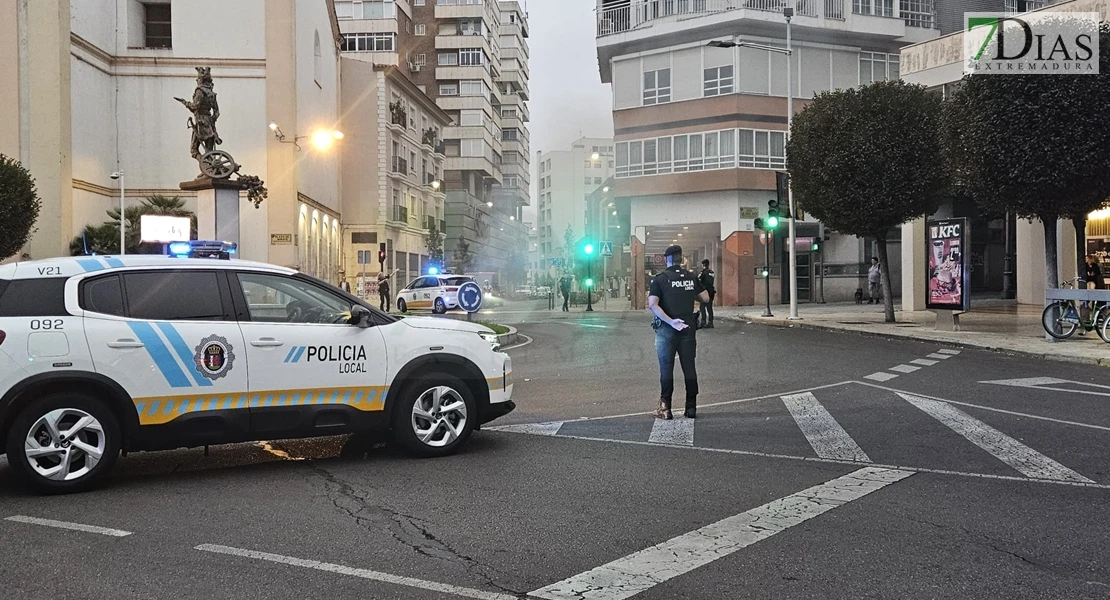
<point x="430" y="223"/>
<point x="400" y="214"/>
<point x="461" y="9"/>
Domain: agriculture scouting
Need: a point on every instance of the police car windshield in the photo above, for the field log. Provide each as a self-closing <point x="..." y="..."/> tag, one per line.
<point x="455" y="281"/>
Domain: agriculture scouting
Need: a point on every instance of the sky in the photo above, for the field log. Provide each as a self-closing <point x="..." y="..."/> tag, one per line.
<point x="568" y="99"/>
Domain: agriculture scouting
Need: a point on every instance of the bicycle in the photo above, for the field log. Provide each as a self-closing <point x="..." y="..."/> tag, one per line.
<point x="1063" y="318"/>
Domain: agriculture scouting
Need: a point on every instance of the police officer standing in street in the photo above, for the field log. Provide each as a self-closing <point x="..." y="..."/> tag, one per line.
<point x="671" y="300"/>
<point x="707" y="277"/>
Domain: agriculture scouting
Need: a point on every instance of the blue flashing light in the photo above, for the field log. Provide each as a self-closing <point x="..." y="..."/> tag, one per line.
<point x="433" y="271"/>
<point x="180" y="249"/>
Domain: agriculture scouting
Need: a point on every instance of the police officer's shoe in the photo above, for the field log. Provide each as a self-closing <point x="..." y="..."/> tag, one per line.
<point x="690" y="413"/>
<point x="663" y="412"/>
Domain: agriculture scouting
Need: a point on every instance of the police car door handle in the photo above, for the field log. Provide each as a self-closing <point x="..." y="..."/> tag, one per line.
<point x="267" y="342"/>
<point x="125" y="343"/>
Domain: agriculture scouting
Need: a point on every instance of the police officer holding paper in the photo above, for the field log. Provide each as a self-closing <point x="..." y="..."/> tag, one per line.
<point x="671" y="299"/>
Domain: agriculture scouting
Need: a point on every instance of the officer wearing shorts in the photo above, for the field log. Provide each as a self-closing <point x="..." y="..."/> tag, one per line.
<point x="671" y="300"/>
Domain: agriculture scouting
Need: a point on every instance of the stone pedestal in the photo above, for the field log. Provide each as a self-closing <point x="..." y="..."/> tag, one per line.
<point x="217" y="208"/>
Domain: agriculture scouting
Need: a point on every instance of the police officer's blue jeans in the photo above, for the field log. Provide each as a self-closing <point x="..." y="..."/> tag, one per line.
<point x="669" y="342"/>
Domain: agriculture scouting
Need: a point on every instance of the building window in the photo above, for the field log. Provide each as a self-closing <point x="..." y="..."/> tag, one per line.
<point x="510" y="134"/>
<point x="472" y="118"/>
<point x="420" y="60"/>
<point x="710" y="150"/>
<point x="448" y="89"/>
<point x="657" y="87"/>
<point x="448" y="59"/>
<point x="418" y="3"/>
<point x="588" y="180"/>
<point x="368" y="9"/>
<point x="471" y="57"/>
<point x="762" y="149"/>
<point x="421" y="29"/>
<point x="918" y="13"/>
<point x="718" y="81"/>
<point x="473" y="88"/>
<point x="878" y="8"/>
<point x="472" y="148"/>
<point x="875" y="66"/>
<point x="157" y="27"/>
<point x="369" y="42"/>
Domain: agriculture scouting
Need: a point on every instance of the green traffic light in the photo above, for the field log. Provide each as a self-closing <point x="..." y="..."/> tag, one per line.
<point x="772" y="222"/>
<point x="589" y="283"/>
<point x="765" y="273"/>
<point x="589" y="249"/>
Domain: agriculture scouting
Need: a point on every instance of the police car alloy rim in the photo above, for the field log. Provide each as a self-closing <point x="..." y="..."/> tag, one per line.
<point x="439" y="416"/>
<point x="65" y="444"/>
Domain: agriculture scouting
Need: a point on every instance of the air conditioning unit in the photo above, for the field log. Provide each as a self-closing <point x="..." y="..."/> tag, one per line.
<point x="413" y="67"/>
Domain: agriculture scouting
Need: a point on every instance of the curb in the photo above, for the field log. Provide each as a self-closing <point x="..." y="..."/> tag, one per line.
<point x="508" y="339"/>
<point x="776" y="322"/>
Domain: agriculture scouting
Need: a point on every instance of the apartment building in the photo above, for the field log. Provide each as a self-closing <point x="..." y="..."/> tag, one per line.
<point x="950" y="13"/>
<point x="700" y="131"/>
<point x="567" y="180"/>
<point x="87" y="88"/>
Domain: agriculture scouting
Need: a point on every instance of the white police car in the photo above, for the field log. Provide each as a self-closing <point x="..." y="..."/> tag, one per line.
<point x="102" y="354"/>
<point x="440" y="293"/>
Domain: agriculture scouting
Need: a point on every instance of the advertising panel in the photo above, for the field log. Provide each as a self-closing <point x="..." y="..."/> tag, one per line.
<point x="946" y="267"/>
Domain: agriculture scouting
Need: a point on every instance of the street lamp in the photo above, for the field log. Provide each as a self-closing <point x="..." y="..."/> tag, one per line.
<point x="788" y="13"/>
<point x="322" y="139"/>
<point x="122" y="221"/>
<point x="588" y="249"/>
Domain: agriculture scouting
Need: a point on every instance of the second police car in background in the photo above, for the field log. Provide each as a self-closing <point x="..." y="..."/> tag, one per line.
<point x="103" y="354"/>
<point x="440" y="293"/>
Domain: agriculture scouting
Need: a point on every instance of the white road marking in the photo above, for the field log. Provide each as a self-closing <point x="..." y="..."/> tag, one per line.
<point x="551" y="428"/>
<point x="679" y="432"/>
<point x="643" y="570"/>
<point x="515" y="346"/>
<point x="67" y="525"/>
<point x="992" y="409"/>
<point x="905" y="368"/>
<point x="828" y="438"/>
<point x="836" y="461"/>
<point x="353" y="572"/>
<point x="880" y="376"/>
<point x="1024" y="459"/>
<point x="951" y="352"/>
<point x="923" y="362"/>
<point x="939" y="355"/>
<point x="1042" y="383"/>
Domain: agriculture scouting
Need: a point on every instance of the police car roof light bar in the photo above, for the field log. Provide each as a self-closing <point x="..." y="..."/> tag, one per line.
<point x="203" y="249"/>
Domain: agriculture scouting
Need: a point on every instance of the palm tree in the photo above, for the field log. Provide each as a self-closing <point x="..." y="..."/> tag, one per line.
<point x="104" y="238"/>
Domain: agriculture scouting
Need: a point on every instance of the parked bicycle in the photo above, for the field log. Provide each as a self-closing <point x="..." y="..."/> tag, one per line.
<point x="1063" y="318"/>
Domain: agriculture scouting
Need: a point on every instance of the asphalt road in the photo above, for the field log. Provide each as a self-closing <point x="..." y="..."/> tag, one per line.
<point x="814" y="470"/>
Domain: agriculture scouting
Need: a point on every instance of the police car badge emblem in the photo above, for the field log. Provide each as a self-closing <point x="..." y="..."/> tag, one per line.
<point x="214" y="357"/>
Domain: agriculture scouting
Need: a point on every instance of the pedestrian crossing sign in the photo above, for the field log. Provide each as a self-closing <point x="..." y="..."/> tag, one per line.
<point x="607" y="248"/>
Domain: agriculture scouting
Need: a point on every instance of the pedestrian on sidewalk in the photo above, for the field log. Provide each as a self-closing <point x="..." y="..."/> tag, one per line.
<point x="564" y="289"/>
<point x="671" y="299"/>
<point x="1093" y="277"/>
<point x="707" y="279"/>
<point x="874" y="281"/>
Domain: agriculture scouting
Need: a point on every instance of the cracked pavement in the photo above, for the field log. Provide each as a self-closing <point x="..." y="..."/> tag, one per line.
<point x="515" y="513"/>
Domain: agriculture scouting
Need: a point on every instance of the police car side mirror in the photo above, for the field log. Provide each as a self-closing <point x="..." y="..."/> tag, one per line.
<point x="360" y="317"/>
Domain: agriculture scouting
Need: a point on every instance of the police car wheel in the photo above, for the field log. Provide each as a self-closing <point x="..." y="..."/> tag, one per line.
<point x="440" y="306"/>
<point x="435" y="416"/>
<point x="64" y="443"/>
<point x="401" y="306"/>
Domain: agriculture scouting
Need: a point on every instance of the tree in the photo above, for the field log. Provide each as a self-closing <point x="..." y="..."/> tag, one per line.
<point x="19" y="206"/>
<point x="1035" y="145"/>
<point x="866" y="161"/>
<point x="463" y="257"/>
<point x="434" y="243"/>
<point x="568" y="251"/>
<point x="104" y="238"/>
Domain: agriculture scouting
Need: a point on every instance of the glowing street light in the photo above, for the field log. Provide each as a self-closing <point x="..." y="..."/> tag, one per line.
<point x="323" y="139"/>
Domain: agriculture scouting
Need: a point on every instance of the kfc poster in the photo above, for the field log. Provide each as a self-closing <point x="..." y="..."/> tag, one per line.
<point x="947" y="268"/>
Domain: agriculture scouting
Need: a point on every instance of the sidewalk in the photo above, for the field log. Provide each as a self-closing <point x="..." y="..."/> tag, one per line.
<point x="1000" y="325"/>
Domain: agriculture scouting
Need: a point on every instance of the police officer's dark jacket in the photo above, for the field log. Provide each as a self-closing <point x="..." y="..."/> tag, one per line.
<point x="677" y="290"/>
<point x="706" y="278"/>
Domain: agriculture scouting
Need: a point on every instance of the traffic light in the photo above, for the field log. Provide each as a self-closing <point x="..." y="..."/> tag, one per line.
<point x="760" y="225"/>
<point x="589" y="284"/>
<point x="816" y="246"/>
<point x="381" y="254"/>
<point x="782" y="187"/>
<point x="588" y="249"/>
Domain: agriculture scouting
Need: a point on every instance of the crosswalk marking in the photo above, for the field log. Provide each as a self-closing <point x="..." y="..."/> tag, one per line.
<point x="551" y="428"/>
<point x="1024" y="459"/>
<point x="643" y="570"/>
<point x="950" y="352"/>
<point x="923" y="362"/>
<point x="828" y="438"/>
<point x="679" y="432"/>
<point x="940" y="355"/>
<point x="905" y="368"/>
<point x="880" y="376"/>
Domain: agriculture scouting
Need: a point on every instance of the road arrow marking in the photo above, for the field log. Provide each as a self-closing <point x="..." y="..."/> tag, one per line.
<point x="678" y="432"/>
<point x="828" y="438"/>
<point x="643" y="570"/>
<point x="1024" y="459"/>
